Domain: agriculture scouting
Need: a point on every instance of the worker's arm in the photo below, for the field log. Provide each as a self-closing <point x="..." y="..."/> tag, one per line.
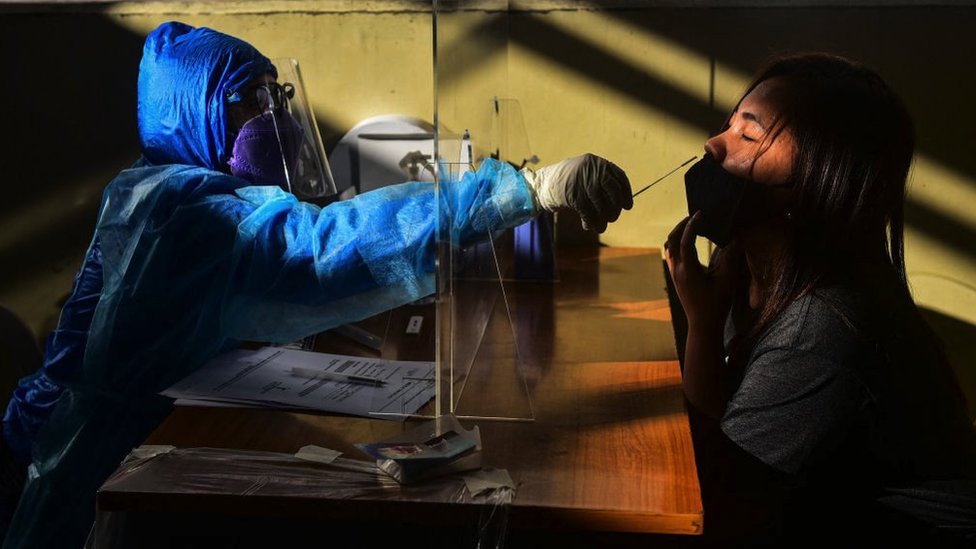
<point x="301" y="270"/>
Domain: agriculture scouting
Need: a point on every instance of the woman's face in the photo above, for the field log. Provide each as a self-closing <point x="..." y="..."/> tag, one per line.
<point x="751" y="147"/>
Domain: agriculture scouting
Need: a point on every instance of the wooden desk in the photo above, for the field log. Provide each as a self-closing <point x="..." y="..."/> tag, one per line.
<point x="610" y="448"/>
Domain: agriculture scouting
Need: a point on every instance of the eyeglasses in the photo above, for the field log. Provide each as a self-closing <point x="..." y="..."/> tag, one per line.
<point x="266" y="97"/>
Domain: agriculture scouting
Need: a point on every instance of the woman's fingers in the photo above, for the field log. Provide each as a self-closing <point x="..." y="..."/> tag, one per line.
<point x="687" y="243"/>
<point x="672" y="245"/>
<point x="688" y="234"/>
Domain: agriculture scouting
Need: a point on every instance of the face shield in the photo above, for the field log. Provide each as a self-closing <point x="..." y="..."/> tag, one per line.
<point x="281" y="145"/>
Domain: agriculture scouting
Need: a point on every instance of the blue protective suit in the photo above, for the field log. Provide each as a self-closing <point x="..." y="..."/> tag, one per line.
<point x="187" y="261"/>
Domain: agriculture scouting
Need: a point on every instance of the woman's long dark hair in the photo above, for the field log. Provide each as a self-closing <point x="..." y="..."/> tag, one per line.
<point x="854" y="143"/>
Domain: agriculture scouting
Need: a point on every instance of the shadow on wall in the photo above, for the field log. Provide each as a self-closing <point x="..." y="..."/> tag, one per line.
<point x="71" y="100"/>
<point x="957" y="340"/>
<point x="73" y="91"/>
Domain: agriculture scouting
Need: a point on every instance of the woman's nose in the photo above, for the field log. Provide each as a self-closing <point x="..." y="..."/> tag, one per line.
<point x="715" y="147"/>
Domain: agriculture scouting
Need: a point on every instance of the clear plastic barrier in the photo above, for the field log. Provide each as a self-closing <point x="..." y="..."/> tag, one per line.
<point x="307" y="167"/>
<point x="481" y="374"/>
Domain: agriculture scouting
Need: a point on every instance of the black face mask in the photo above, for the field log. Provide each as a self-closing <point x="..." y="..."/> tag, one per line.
<point x="727" y="202"/>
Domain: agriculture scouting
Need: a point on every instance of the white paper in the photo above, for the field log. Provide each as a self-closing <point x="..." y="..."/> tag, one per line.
<point x="263" y="378"/>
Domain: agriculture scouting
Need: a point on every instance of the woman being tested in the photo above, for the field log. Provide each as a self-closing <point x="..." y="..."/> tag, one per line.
<point x="197" y="248"/>
<point x="832" y="409"/>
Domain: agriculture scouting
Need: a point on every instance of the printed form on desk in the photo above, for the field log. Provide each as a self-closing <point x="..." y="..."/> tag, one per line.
<point x="287" y="378"/>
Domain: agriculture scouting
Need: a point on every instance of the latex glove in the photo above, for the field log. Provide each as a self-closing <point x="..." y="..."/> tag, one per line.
<point x="592" y="186"/>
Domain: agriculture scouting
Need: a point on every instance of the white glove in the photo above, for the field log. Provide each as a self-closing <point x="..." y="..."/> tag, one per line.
<point x="592" y="186"/>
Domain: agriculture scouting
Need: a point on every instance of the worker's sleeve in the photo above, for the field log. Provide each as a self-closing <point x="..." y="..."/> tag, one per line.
<point x="301" y="270"/>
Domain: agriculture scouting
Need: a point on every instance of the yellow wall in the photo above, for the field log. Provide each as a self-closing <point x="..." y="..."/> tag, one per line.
<point x="643" y="87"/>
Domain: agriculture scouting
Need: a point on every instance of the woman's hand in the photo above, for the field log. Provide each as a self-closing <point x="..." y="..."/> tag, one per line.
<point x="705" y="294"/>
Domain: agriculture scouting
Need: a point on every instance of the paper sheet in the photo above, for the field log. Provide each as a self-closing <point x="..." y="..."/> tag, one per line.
<point x="264" y="378"/>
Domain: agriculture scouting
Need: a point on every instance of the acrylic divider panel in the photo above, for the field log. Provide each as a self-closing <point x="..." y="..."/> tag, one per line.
<point x="480" y="371"/>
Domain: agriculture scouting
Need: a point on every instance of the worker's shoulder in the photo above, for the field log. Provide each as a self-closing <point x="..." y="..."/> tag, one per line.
<point x="169" y="178"/>
<point x="160" y="192"/>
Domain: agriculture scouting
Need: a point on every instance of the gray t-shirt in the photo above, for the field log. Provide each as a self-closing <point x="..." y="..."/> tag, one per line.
<point x="836" y="391"/>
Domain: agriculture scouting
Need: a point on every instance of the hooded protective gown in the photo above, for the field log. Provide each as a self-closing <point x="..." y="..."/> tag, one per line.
<point x="187" y="261"/>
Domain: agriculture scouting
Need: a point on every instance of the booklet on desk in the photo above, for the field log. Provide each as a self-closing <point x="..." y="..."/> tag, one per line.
<point x="435" y="448"/>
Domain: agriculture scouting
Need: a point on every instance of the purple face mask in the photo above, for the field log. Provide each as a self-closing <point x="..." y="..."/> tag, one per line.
<point x="257" y="155"/>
